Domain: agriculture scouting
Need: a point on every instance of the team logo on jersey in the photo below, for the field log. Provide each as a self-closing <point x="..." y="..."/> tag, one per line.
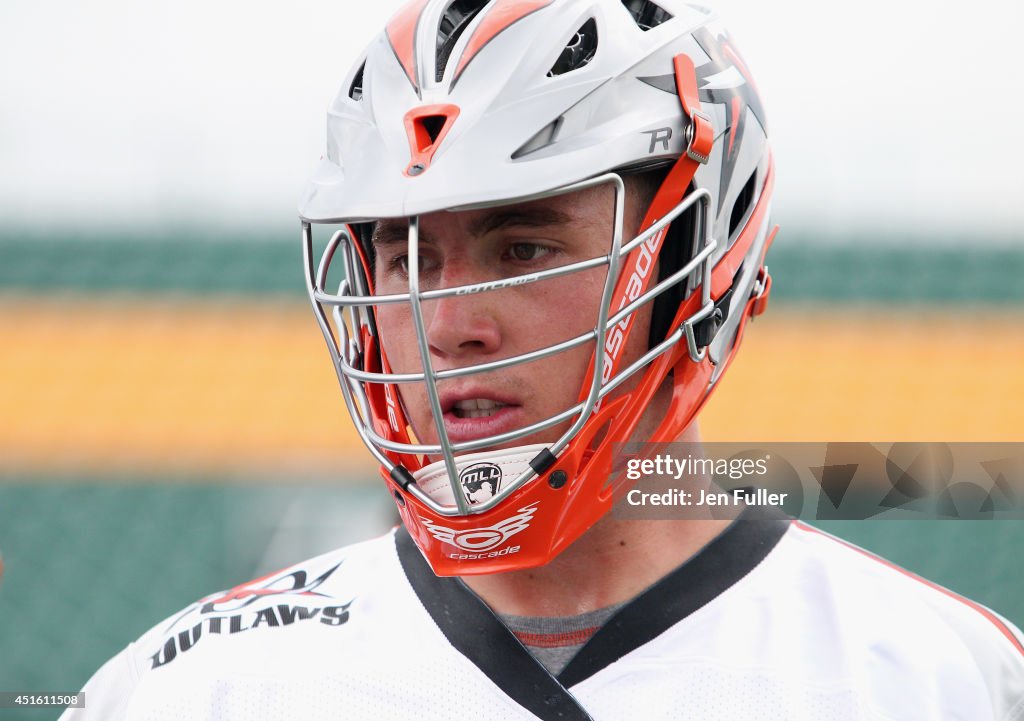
<point x="484" y="539"/>
<point x="232" y="612"/>
<point x="295" y="583"/>
<point x="480" y="481"/>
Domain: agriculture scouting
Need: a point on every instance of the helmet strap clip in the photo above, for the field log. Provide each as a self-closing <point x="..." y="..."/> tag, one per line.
<point x="700" y="133"/>
<point x="704" y="330"/>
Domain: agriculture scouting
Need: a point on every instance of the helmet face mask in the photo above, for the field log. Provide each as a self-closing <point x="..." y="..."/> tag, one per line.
<point x="540" y="269"/>
<point x="358" y="330"/>
<point x="444" y="370"/>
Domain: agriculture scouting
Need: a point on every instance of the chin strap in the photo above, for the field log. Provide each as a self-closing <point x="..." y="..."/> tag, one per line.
<point x="700" y="137"/>
<point x="763" y="285"/>
<point x="701" y="133"/>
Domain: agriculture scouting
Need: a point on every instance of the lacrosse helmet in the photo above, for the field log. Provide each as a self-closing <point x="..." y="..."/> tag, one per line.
<point x="469" y="104"/>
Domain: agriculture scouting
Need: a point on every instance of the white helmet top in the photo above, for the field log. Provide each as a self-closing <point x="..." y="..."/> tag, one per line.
<point x="547" y="93"/>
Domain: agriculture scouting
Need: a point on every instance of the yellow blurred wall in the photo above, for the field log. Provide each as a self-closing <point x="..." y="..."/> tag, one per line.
<point x="244" y="387"/>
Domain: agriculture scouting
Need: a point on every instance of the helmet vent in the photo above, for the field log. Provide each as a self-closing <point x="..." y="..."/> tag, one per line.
<point x="456" y="19"/>
<point x="742" y="205"/>
<point x="355" y="90"/>
<point x="578" y="51"/>
<point x="646" y="14"/>
<point x="544" y="137"/>
<point x="432" y="126"/>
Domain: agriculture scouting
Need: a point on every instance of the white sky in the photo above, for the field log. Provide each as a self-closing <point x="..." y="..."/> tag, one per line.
<point x="885" y="115"/>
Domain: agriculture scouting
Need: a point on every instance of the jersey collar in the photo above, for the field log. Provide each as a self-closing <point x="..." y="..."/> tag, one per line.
<point x="474" y="630"/>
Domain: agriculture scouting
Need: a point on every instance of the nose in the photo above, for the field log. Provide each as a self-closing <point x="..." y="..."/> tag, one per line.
<point x="462" y="326"/>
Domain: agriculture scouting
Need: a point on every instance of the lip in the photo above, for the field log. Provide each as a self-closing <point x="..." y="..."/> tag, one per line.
<point x="460" y="430"/>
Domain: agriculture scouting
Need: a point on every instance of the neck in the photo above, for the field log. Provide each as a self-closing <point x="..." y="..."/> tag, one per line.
<point x="611" y="563"/>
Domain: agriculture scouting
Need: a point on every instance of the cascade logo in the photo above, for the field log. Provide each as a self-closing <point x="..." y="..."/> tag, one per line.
<point x="484" y="539"/>
<point x="389" y="398"/>
<point x="480" y="481"/>
<point x="646" y="256"/>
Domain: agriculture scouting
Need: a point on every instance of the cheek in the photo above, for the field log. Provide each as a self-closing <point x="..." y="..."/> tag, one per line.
<point x="639" y="335"/>
<point x="563" y="308"/>
<point x="554" y="312"/>
<point x="398" y="338"/>
<point x="398" y="343"/>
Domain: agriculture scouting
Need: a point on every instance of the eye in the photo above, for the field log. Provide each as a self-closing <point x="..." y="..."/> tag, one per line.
<point x="397" y="265"/>
<point x="400" y="264"/>
<point x="525" y="252"/>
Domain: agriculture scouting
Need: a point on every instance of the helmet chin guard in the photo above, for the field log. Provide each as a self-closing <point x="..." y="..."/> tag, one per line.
<point x="506" y="501"/>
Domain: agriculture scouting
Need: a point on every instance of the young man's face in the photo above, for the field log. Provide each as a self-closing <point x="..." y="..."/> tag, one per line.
<point x="481" y="245"/>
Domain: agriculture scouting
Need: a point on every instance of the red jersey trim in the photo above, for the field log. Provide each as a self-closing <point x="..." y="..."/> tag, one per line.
<point x="556" y="640"/>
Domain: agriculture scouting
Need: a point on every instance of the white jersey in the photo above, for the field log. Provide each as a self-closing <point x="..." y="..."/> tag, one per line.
<point x="772" y="620"/>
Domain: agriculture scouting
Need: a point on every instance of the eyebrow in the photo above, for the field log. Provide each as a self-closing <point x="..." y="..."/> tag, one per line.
<point x="518" y="218"/>
<point x="389" y="231"/>
<point x="395" y="230"/>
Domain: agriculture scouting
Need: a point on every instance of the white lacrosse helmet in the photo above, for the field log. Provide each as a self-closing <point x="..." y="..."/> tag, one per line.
<point x="468" y="104"/>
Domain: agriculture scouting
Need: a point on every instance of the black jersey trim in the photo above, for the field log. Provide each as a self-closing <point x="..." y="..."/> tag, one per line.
<point x="473" y="629"/>
<point x="475" y="632"/>
<point x="720" y="564"/>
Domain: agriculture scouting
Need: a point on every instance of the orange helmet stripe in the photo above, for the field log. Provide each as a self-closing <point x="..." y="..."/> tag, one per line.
<point x="401" y="31"/>
<point x="501" y="15"/>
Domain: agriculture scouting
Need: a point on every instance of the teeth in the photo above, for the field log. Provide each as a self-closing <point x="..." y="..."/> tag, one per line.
<point x="476" y="407"/>
<point x="478" y="404"/>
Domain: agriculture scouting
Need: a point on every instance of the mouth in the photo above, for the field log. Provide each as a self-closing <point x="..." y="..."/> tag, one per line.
<point x="468" y="417"/>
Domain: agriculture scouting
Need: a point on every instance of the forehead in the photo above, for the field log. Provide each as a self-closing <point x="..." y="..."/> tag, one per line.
<point x="585" y="208"/>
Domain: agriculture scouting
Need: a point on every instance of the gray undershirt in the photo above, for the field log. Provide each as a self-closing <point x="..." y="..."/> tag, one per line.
<point x="554" y="641"/>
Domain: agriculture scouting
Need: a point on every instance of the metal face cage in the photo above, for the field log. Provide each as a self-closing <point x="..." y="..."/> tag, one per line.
<point x="352" y="313"/>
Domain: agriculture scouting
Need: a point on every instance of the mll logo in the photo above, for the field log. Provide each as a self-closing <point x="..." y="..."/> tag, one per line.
<point x="480" y="481"/>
